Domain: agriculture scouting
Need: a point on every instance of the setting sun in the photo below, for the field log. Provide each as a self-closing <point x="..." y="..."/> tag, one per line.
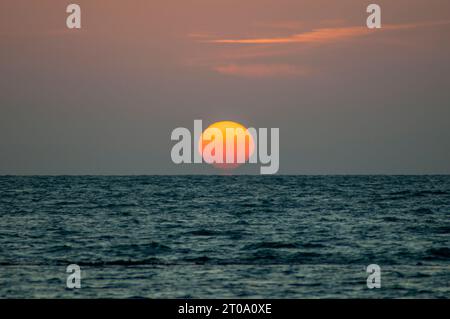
<point x="226" y="144"/>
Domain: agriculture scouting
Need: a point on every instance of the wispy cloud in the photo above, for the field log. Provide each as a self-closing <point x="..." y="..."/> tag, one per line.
<point x="260" y="57"/>
<point x="322" y="35"/>
<point x="319" y="35"/>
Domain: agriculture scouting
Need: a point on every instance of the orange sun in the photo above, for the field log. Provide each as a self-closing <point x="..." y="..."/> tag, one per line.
<point x="226" y="144"/>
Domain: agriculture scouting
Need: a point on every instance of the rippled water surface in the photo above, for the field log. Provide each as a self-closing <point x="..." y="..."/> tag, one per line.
<point x="225" y="236"/>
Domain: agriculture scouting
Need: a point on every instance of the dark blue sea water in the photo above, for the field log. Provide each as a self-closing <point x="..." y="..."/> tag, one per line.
<point x="225" y="236"/>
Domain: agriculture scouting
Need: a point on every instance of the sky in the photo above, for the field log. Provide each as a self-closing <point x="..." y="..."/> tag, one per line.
<point x="104" y="99"/>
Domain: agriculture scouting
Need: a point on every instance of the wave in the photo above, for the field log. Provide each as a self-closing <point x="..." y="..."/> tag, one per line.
<point x="203" y="232"/>
<point x="270" y="244"/>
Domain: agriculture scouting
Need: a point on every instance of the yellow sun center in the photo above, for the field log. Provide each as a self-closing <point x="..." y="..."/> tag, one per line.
<point x="226" y="144"/>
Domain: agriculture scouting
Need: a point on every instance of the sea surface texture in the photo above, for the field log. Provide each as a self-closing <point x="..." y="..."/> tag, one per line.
<point x="225" y="236"/>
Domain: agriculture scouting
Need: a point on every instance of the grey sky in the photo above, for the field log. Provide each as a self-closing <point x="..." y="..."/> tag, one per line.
<point x="105" y="99"/>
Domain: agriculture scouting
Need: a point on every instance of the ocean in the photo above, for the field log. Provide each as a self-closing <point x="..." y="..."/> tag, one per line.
<point x="225" y="236"/>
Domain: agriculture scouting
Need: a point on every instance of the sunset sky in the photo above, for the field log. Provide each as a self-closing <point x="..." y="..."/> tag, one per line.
<point x="104" y="99"/>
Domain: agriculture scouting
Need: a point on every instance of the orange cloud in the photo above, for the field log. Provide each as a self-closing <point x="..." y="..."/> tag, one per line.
<point x="326" y="34"/>
<point x="261" y="70"/>
<point x="319" y="35"/>
<point x="260" y="57"/>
